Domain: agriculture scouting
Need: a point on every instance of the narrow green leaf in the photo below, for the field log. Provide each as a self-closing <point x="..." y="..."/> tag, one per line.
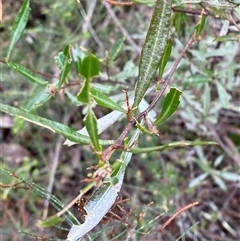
<point x="105" y="101"/>
<point x="89" y="66"/>
<point x="90" y="122"/>
<point x="229" y="37"/>
<point x="153" y="48"/>
<point x="40" y="97"/>
<point x="170" y="105"/>
<point x="196" y="181"/>
<point x="200" y="25"/>
<point x="84" y="94"/>
<point x="18" y="26"/>
<point x="54" y="126"/>
<point x="88" y="69"/>
<point x="231" y="176"/>
<point x="74" y="99"/>
<point x="223" y="95"/>
<point x="117" y="48"/>
<point x="27" y="73"/>
<point x="67" y="63"/>
<point x="142" y="128"/>
<point x="49" y="222"/>
<point x="171" y="145"/>
<point x="165" y="57"/>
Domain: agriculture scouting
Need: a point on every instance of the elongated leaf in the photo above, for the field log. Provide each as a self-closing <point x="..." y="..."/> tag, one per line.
<point x="74" y="99"/>
<point x="105" y="101"/>
<point x="27" y="73"/>
<point x="18" y="26"/>
<point x="170" y="105"/>
<point x="88" y="69"/>
<point x="171" y="145"/>
<point x="54" y="126"/>
<point x="103" y="199"/>
<point x="117" y="48"/>
<point x="165" y="57"/>
<point x="223" y="95"/>
<point x="153" y="48"/>
<point x="197" y="180"/>
<point x="49" y="222"/>
<point x="66" y="65"/>
<point x="200" y="25"/>
<point x="90" y="122"/>
<point x="229" y="37"/>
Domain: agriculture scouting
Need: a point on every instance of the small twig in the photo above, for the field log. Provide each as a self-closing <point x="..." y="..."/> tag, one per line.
<point x="195" y="12"/>
<point x="177" y="214"/>
<point x="233" y="21"/>
<point x="87" y="23"/>
<point x="124" y="31"/>
<point x="14" y="185"/>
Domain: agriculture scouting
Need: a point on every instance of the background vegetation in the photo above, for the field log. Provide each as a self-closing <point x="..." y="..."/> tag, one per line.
<point x="209" y="79"/>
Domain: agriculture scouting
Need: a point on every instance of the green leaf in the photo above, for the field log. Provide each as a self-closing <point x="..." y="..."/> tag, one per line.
<point x="103" y="198"/>
<point x="66" y="65"/>
<point x="105" y="101"/>
<point x="74" y="99"/>
<point x="171" y="145"/>
<point x="231" y="176"/>
<point x="229" y="37"/>
<point x="200" y="25"/>
<point x="54" y="126"/>
<point x="27" y="73"/>
<point x="84" y="94"/>
<point x="49" y="222"/>
<point x="197" y="180"/>
<point x="142" y="128"/>
<point x="223" y="95"/>
<point x="90" y="122"/>
<point x="170" y="105"/>
<point x="18" y="26"/>
<point x="117" y="48"/>
<point x="88" y="69"/>
<point x="89" y="66"/>
<point x="41" y="96"/>
<point x="165" y="57"/>
<point x="153" y="48"/>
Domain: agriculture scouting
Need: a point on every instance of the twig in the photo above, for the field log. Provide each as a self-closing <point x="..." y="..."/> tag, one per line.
<point x="124" y="31"/>
<point x="87" y="23"/>
<point x="233" y="21"/>
<point x="177" y="214"/>
<point x="189" y="11"/>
